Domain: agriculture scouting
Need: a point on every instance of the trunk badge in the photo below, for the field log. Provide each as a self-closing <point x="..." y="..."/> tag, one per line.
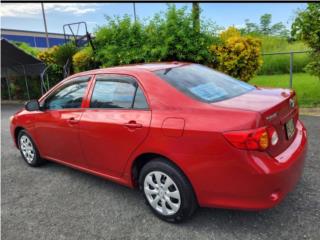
<point x="272" y="116"/>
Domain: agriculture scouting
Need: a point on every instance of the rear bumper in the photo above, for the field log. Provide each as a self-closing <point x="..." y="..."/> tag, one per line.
<point x="266" y="184"/>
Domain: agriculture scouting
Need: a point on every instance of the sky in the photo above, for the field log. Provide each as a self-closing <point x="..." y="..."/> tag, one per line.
<point x="28" y="16"/>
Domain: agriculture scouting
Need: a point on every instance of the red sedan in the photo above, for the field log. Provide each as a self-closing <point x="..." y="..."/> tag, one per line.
<point x="186" y="135"/>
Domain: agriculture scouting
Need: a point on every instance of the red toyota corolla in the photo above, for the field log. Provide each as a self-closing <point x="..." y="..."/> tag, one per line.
<point x="183" y="133"/>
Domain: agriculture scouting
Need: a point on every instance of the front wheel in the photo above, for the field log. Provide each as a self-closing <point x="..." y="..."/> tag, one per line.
<point x="167" y="191"/>
<point x="28" y="149"/>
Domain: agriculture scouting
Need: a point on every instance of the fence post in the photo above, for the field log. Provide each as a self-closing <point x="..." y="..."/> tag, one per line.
<point x="48" y="83"/>
<point x="26" y="81"/>
<point x="41" y="86"/>
<point x="291" y="67"/>
<point x="8" y="84"/>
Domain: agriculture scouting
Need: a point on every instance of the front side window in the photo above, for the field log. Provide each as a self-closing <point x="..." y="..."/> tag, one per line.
<point x="203" y="83"/>
<point x="69" y="95"/>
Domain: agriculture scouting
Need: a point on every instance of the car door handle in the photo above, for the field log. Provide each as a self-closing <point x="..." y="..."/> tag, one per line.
<point x="72" y="120"/>
<point x="133" y="125"/>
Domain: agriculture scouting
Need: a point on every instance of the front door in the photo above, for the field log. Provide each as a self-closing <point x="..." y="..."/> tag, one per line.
<point x="57" y="126"/>
<point x="115" y="123"/>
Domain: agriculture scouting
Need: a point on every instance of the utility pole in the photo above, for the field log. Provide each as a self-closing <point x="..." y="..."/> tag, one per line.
<point x="45" y="24"/>
<point x="134" y="11"/>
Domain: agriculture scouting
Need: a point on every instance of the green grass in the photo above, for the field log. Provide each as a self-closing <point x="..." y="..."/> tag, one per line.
<point x="280" y="64"/>
<point x="280" y="44"/>
<point x="306" y="86"/>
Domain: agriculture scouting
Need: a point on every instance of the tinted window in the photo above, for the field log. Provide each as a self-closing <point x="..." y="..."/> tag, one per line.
<point x="112" y="94"/>
<point x="69" y="96"/>
<point x="140" y="100"/>
<point x="203" y="83"/>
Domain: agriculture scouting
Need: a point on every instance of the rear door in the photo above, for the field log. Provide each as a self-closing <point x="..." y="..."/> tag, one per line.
<point x="114" y="124"/>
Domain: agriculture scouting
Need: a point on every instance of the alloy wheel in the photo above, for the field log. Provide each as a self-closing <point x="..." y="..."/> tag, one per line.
<point x="27" y="148"/>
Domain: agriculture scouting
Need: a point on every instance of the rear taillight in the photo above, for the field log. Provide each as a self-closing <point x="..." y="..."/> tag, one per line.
<point x="253" y="139"/>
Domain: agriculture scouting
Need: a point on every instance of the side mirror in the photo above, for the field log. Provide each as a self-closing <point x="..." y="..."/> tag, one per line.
<point x="32" y="105"/>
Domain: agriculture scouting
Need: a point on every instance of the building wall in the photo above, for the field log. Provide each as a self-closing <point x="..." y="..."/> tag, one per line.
<point x="34" y="39"/>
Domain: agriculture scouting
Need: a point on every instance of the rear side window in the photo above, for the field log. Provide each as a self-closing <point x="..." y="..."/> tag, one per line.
<point x="203" y="83"/>
<point x="117" y="92"/>
<point x="140" y="101"/>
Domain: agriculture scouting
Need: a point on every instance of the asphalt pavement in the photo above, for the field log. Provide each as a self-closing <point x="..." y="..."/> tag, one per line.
<point x="57" y="202"/>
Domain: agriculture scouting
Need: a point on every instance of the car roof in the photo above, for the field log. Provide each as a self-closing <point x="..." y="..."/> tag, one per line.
<point x="134" y="67"/>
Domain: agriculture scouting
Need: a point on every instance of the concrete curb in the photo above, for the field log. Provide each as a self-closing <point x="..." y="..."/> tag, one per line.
<point x="13" y="102"/>
<point x="310" y="111"/>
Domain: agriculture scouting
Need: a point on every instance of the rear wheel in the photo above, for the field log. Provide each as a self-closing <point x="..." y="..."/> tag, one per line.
<point x="167" y="191"/>
<point x="28" y="149"/>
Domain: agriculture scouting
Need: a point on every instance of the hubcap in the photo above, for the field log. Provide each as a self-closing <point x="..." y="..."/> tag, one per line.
<point x="27" y="148"/>
<point x="162" y="193"/>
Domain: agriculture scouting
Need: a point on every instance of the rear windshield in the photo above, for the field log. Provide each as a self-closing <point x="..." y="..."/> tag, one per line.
<point x="203" y="83"/>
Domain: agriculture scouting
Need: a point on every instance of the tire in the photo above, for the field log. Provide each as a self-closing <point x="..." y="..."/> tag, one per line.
<point x="29" y="150"/>
<point x="172" y="200"/>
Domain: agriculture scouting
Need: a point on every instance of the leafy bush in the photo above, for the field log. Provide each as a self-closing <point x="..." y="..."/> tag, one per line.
<point x="306" y="27"/>
<point x="55" y="74"/>
<point x="64" y="54"/>
<point x="181" y="41"/>
<point x="119" y="42"/>
<point x="230" y="32"/>
<point x="166" y="37"/>
<point x="48" y="56"/>
<point x="27" y="48"/>
<point x="55" y="71"/>
<point x="237" y="55"/>
<point x="57" y="57"/>
<point x="58" y="54"/>
<point x="83" y="60"/>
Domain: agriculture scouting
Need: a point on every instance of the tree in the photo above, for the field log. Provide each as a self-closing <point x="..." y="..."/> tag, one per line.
<point x="306" y="27"/>
<point x="196" y="16"/>
<point x="279" y="29"/>
<point x="250" y="27"/>
<point x="265" y="27"/>
<point x="265" y="21"/>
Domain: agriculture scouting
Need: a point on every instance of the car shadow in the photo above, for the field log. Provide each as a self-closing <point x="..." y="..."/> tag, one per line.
<point x="204" y="218"/>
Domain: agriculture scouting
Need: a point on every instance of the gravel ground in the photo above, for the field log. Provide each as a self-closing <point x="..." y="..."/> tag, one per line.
<point x="56" y="202"/>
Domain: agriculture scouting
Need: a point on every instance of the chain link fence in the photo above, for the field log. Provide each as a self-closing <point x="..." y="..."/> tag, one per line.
<point x="284" y="63"/>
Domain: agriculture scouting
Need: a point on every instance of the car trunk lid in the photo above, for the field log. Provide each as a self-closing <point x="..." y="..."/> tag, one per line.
<point x="278" y="109"/>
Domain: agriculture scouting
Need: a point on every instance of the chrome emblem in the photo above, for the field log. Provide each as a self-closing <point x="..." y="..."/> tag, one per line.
<point x="272" y="116"/>
<point x="291" y="103"/>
